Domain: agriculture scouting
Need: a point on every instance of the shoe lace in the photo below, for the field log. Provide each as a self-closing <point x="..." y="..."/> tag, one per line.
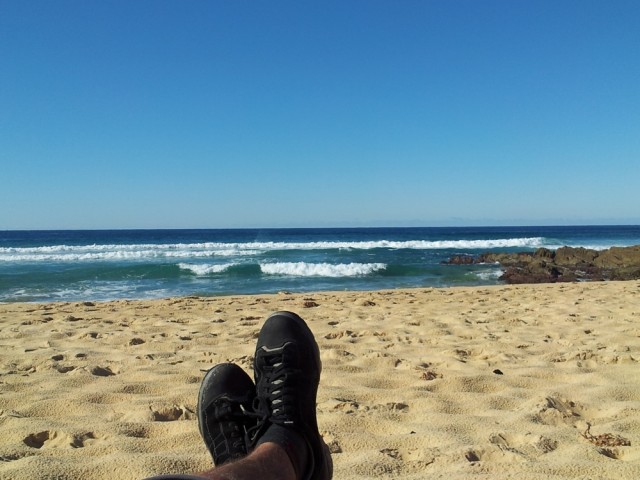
<point x="231" y="420"/>
<point x="270" y="404"/>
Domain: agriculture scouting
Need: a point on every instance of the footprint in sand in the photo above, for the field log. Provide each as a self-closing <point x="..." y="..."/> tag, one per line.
<point x="92" y="335"/>
<point x="557" y="410"/>
<point x="392" y="407"/>
<point x="347" y="406"/>
<point x="134" y="430"/>
<point x="56" y="439"/>
<point x="392" y="452"/>
<point x="527" y="445"/>
<point x="493" y="455"/>
<point x="331" y="442"/>
<point x="336" y="335"/>
<point x="627" y="454"/>
<point x="171" y="413"/>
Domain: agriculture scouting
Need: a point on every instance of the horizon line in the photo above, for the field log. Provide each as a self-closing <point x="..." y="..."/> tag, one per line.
<point x="354" y="227"/>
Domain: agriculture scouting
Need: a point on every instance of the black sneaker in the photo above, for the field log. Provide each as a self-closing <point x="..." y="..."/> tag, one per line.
<point x="226" y="394"/>
<point x="287" y="373"/>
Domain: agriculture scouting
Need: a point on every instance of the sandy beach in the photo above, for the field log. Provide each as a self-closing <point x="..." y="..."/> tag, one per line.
<point x="526" y="382"/>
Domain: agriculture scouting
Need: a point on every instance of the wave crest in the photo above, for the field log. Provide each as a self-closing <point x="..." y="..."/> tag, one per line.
<point x="67" y="253"/>
<point x="303" y="269"/>
<point x="205" y="269"/>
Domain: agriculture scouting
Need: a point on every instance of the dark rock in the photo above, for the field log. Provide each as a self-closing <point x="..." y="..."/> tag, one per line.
<point x="619" y="257"/>
<point x="574" y="256"/>
<point x="102" y="371"/>
<point x="544" y="253"/>
<point x="567" y="264"/>
<point x="461" y="260"/>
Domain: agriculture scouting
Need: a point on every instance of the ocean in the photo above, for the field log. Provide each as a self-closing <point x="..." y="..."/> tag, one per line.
<point x="44" y="266"/>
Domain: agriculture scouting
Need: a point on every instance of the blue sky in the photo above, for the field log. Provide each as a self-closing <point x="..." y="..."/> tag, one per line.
<point x="174" y="114"/>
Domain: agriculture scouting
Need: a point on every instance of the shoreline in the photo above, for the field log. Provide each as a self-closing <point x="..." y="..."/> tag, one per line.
<point x="422" y="289"/>
<point x="528" y="381"/>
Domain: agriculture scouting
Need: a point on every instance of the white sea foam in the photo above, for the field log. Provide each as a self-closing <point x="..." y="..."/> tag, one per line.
<point x="489" y="274"/>
<point x="303" y="269"/>
<point x="72" y="253"/>
<point x="112" y="252"/>
<point x="410" y="244"/>
<point x="95" y="291"/>
<point x="205" y="269"/>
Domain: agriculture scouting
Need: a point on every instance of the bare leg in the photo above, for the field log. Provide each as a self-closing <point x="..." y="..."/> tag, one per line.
<point x="268" y="461"/>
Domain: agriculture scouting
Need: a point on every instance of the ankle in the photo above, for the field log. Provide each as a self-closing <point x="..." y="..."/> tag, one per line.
<point x="277" y="456"/>
<point x="292" y="443"/>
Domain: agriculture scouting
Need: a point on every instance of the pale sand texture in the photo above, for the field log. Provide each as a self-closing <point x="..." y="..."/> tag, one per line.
<point x="408" y="388"/>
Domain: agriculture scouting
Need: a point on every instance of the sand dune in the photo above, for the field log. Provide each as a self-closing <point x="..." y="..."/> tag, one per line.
<point x="526" y="382"/>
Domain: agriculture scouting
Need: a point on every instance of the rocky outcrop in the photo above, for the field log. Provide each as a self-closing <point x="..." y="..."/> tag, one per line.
<point x="566" y="264"/>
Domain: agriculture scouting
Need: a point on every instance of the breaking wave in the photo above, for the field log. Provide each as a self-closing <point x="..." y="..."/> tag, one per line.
<point x="71" y="253"/>
<point x="205" y="269"/>
<point x="303" y="269"/>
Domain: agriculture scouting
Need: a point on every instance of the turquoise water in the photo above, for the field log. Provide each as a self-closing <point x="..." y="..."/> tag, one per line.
<point x="136" y="264"/>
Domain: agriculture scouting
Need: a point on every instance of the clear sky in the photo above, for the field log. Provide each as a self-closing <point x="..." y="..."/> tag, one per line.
<point x="177" y="114"/>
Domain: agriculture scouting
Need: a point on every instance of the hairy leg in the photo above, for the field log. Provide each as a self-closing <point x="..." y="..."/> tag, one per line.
<point x="268" y="461"/>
